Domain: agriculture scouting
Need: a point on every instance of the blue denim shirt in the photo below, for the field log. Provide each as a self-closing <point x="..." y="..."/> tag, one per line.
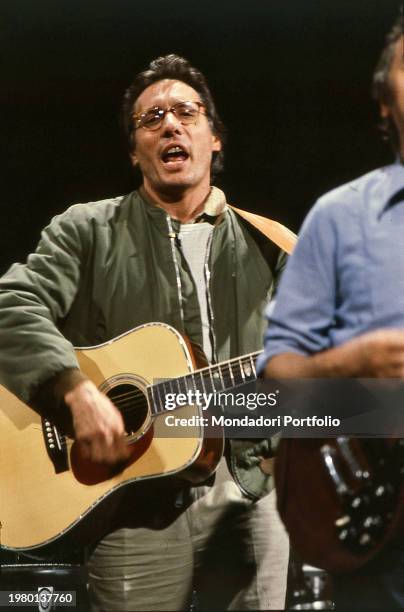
<point x="346" y="275"/>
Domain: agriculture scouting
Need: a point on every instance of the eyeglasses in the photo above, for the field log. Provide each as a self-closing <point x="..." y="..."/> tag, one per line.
<point x="152" y="118"/>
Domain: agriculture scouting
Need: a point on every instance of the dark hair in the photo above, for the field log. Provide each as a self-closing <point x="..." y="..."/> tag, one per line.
<point x="178" y="68"/>
<point x="381" y="83"/>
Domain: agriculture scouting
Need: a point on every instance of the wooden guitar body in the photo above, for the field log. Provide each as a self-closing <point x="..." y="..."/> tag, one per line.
<point x="38" y="505"/>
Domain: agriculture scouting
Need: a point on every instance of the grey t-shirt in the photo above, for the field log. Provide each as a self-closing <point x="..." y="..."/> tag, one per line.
<point x="195" y="239"/>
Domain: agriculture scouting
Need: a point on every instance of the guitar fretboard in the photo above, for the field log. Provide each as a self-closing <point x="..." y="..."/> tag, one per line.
<point x="212" y="379"/>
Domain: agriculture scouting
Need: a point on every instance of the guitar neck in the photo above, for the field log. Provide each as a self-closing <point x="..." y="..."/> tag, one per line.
<point x="196" y="385"/>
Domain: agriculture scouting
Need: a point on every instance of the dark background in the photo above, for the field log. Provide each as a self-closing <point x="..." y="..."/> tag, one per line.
<point x="291" y="79"/>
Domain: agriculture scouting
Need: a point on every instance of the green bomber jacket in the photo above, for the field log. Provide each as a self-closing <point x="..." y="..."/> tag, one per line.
<point x="103" y="268"/>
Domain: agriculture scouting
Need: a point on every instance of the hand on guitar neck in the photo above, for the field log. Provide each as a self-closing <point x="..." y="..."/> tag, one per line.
<point x="98" y="425"/>
<point x="375" y="354"/>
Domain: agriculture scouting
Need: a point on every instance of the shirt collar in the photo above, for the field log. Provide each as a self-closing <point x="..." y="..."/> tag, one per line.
<point x="215" y="206"/>
<point x="392" y="187"/>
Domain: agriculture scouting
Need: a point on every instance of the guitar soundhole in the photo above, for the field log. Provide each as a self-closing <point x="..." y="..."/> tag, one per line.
<point x="132" y="404"/>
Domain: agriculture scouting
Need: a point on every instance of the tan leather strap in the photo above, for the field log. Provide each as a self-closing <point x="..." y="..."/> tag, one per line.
<point x="278" y="233"/>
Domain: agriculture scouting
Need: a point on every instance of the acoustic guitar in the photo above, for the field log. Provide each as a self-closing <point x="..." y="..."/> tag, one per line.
<point x="47" y="488"/>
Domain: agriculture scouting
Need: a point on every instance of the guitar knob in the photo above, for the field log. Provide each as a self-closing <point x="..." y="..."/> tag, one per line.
<point x="359" y="502"/>
<point x="373" y="522"/>
<point x="349" y="537"/>
<point x="365" y="540"/>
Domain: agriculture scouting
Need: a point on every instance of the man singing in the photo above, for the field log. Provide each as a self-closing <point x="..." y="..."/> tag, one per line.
<point x="174" y="252"/>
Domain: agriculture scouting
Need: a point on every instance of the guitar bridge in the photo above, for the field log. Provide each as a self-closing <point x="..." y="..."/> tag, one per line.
<point x="55" y="444"/>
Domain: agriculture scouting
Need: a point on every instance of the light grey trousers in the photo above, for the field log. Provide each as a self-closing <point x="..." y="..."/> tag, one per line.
<point x="232" y="551"/>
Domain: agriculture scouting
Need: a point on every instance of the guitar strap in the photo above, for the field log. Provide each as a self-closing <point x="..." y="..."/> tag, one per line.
<point x="283" y="237"/>
<point x="257" y="485"/>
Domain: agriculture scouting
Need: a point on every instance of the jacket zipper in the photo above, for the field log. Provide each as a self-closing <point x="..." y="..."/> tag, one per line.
<point x="173" y="237"/>
<point x="211" y="316"/>
<point x="207" y="272"/>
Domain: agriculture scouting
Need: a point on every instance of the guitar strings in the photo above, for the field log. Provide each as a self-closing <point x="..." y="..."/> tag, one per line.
<point x="205" y="377"/>
<point x="206" y="374"/>
<point x="137" y="393"/>
<point x="132" y="401"/>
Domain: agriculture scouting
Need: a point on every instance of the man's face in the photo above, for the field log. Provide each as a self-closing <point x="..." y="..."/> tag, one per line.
<point x="395" y="107"/>
<point x="165" y="170"/>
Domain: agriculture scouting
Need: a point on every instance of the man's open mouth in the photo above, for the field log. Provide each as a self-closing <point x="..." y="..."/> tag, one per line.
<point x="174" y="154"/>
